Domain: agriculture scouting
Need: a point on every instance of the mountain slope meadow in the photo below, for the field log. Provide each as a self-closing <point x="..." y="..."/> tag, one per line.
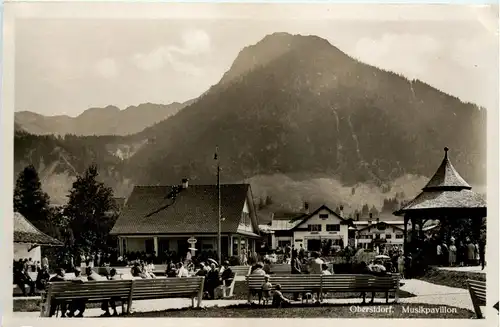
<point x="296" y="117"/>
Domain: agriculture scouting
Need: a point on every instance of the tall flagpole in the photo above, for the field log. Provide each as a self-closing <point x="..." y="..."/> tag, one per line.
<point x="219" y="217"/>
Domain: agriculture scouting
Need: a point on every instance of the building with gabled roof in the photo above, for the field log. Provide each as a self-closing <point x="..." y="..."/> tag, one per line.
<point x="163" y="218"/>
<point x="28" y="239"/>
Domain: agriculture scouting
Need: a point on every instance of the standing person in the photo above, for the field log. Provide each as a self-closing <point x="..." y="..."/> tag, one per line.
<point x="401" y="264"/>
<point x="301" y="252"/>
<point x="461" y="255"/>
<point x="439" y="254"/>
<point x="452" y="254"/>
<point x="45" y="262"/>
<point x="471" y="252"/>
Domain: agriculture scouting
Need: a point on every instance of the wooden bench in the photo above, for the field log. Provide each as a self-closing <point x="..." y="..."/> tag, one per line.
<point x="123" y="290"/>
<point x="241" y="270"/>
<point x="477" y="291"/>
<point x="328" y="283"/>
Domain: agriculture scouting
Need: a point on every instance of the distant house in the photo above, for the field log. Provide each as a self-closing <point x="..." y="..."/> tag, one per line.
<point x="28" y="239"/>
<point x="323" y="224"/>
<point x="382" y="229"/>
<point x="157" y="218"/>
<point x="279" y="229"/>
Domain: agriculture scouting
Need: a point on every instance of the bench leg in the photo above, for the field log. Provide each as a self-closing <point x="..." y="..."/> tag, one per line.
<point x="386" y="297"/>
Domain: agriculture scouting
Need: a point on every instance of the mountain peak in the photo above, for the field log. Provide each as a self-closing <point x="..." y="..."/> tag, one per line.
<point x="272" y="47"/>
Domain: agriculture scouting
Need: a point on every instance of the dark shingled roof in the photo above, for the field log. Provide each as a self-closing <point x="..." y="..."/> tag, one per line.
<point x="194" y="210"/>
<point x="446" y="177"/>
<point x="25" y="232"/>
<point x="445" y="190"/>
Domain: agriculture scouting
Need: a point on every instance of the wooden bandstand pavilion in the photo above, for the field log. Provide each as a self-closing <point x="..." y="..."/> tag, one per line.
<point x="448" y="198"/>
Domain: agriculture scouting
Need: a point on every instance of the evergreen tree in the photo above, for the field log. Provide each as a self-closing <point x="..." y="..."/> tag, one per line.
<point x="374" y="211"/>
<point x="31" y="201"/>
<point x="90" y="212"/>
<point x="365" y="210"/>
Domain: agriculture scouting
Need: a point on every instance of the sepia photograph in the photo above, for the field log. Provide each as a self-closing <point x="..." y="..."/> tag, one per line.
<point x="271" y="160"/>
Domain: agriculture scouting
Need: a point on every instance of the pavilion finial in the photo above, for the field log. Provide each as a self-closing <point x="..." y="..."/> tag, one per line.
<point x="446" y="152"/>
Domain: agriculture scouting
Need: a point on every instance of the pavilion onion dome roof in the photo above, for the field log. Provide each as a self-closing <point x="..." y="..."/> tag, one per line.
<point x="446" y="177"/>
<point x="25" y="232"/>
<point x="445" y="190"/>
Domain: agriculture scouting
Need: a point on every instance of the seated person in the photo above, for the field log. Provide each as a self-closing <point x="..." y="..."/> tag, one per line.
<point x="266" y="290"/>
<point x="22" y="278"/>
<point x="42" y="278"/>
<point x="279" y="300"/>
<point x="325" y="270"/>
<point x="59" y="277"/>
<point x="77" y="305"/>
<point x="112" y="302"/>
<point x="171" y="270"/>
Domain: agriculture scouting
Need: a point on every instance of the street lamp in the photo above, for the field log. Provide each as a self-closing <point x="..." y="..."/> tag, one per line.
<point x="219" y="216"/>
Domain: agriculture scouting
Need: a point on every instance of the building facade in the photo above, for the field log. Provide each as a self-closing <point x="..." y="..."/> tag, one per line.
<point x="320" y="227"/>
<point x="157" y="219"/>
<point x="388" y="233"/>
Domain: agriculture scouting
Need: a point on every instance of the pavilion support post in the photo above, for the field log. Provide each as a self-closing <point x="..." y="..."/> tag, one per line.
<point x="120" y="246"/>
<point x="405" y="235"/>
<point x="231" y="243"/>
<point x="155" y="245"/>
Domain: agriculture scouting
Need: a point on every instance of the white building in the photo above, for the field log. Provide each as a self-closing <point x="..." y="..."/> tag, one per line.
<point x="322" y="225"/>
<point x="389" y="233"/>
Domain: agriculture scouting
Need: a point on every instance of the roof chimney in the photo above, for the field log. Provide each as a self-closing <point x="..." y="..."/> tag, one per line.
<point x="357" y="216"/>
<point x="341" y="213"/>
<point x="184" y="183"/>
<point x="306" y="207"/>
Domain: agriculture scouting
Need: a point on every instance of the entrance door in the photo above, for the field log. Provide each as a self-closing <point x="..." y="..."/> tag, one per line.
<point x="182" y="248"/>
<point x="313" y="245"/>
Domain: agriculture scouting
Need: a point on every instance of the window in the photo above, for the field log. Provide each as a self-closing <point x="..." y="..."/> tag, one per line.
<point x="282" y="244"/>
<point x="388" y="236"/>
<point x="314" y="228"/>
<point x="399" y="236"/>
<point x="323" y="216"/>
<point x="207" y="246"/>
<point x="333" y="228"/>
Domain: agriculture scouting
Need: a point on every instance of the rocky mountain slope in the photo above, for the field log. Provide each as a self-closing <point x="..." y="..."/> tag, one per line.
<point x="293" y="110"/>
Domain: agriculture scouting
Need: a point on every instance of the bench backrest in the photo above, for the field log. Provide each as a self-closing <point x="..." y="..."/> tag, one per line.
<point x="478" y="288"/>
<point x="241" y="270"/>
<point x="288" y="283"/>
<point x="360" y="282"/>
<point x="91" y="290"/>
<point x="328" y="282"/>
<point x="166" y="287"/>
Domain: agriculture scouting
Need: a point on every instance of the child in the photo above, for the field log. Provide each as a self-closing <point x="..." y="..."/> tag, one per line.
<point x="266" y="289"/>
<point x="278" y="299"/>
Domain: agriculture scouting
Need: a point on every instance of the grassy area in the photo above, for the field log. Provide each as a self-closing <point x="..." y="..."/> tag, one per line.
<point x="316" y="311"/>
<point x="450" y="278"/>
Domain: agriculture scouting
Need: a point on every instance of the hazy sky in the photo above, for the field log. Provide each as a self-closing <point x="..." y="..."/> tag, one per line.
<point x="74" y="56"/>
